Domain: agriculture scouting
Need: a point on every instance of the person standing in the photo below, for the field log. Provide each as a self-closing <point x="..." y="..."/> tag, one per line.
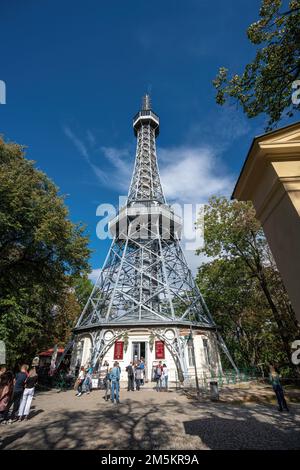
<point x="158" y="374"/>
<point x="115" y="382"/>
<point x="19" y="386"/>
<point x="28" y="393"/>
<point x="165" y="374"/>
<point x="6" y="393"/>
<point x="80" y="380"/>
<point x="277" y="387"/>
<point x="107" y="383"/>
<point x="143" y="369"/>
<point x="138" y="376"/>
<point x="87" y="384"/>
<point x="130" y="377"/>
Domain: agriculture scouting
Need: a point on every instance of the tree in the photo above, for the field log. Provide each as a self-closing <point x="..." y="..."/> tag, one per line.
<point x="265" y="86"/>
<point x="239" y="309"/>
<point x="41" y="252"/>
<point x="234" y="235"/>
<point x="83" y="287"/>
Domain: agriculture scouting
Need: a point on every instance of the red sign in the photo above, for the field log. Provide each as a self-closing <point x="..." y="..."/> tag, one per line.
<point x="159" y="350"/>
<point x="118" y="351"/>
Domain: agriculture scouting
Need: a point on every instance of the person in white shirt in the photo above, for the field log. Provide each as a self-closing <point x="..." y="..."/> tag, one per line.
<point x="165" y="374"/>
<point x="80" y="380"/>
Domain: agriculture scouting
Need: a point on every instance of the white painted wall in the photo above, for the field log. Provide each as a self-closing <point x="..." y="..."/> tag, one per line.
<point x="203" y="368"/>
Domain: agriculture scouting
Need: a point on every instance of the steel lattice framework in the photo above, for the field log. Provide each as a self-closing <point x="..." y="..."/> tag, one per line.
<point x="145" y="279"/>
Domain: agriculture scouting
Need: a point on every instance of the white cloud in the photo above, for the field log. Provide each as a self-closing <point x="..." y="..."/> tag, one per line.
<point x="122" y="163"/>
<point x="193" y="174"/>
<point x="193" y="260"/>
<point x="93" y="276"/>
<point x="79" y="144"/>
<point x="118" y="175"/>
<point x="190" y="174"/>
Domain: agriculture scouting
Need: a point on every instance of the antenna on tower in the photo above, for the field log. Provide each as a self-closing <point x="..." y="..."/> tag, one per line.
<point x="146" y="102"/>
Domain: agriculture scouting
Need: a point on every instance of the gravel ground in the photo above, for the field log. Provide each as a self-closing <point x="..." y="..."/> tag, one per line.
<point x="150" y="420"/>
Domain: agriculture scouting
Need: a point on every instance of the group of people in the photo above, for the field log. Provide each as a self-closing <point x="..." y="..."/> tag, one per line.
<point x="16" y="393"/>
<point x="135" y="375"/>
<point x="161" y="376"/>
<point x="83" y="383"/>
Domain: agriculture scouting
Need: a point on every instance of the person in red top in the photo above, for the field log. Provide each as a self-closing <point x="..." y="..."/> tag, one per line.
<point x="6" y="392"/>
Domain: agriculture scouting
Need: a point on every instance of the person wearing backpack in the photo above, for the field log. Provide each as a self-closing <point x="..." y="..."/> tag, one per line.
<point x="115" y="382"/>
<point x="158" y="376"/>
<point x="138" y="376"/>
<point x="130" y="376"/>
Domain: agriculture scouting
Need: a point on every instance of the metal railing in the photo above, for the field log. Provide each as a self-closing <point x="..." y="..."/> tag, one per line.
<point x="226" y="378"/>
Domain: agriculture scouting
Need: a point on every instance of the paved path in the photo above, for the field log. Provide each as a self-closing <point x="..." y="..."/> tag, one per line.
<point x="150" y="420"/>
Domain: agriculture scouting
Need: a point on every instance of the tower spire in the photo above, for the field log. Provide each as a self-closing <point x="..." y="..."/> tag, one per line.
<point x="145" y="184"/>
<point x="146" y="102"/>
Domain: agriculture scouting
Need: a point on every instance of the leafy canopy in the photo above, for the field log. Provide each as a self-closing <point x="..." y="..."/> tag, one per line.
<point x="265" y="86"/>
<point x="242" y="283"/>
<point x="41" y="253"/>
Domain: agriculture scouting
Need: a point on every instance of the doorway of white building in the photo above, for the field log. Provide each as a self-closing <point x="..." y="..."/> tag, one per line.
<point x="139" y="350"/>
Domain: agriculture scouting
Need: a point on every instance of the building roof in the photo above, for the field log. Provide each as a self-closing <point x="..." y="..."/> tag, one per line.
<point x="281" y="130"/>
<point x="50" y="351"/>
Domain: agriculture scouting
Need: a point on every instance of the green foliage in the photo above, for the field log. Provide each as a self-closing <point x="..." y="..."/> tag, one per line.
<point x="41" y="252"/>
<point x="242" y="286"/>
<point x="265" y="86"/>
<point x="240" y="311"/>
<point x="83" y="287"/>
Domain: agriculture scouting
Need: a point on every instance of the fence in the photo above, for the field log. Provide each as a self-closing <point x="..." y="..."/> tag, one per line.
<point x="223" y="379"/>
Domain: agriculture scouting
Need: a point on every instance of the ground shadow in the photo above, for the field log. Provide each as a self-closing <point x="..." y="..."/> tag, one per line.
<point x="147" y="424"/>
<point x="239" y="429"/>
<point x="130" y="425"/>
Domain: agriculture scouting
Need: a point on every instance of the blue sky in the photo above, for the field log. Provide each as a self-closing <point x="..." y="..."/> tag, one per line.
<point x="75" y="72"/>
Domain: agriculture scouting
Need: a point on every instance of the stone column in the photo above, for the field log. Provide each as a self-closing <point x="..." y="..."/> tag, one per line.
<point x="270" y="178"/>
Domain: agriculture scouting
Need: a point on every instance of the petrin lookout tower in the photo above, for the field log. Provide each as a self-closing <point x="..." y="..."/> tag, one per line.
<point x="145" y="302"/>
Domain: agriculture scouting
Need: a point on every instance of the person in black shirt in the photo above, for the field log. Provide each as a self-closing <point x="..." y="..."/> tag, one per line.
<point x="18" y="390"/>
<point x="130" y="376"/>
<point x="30" y="384"/>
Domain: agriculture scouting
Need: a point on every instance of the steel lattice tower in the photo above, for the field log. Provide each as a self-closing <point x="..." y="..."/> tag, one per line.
<point x="145" y="279"/>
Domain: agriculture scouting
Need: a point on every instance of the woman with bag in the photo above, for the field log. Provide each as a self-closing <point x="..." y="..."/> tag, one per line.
<point x="6" y="392"/>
